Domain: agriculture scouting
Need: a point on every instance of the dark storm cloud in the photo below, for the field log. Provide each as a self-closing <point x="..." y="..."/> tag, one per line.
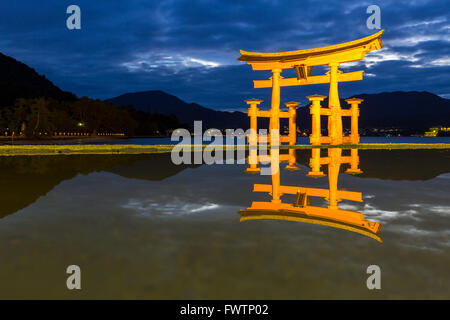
<point x="189" y="48"/>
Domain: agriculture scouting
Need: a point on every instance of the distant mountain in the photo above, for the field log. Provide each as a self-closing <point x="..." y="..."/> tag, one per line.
<point x="17" y="80"/>
<point x="413" y="110"/>
<point x="164" y="103"/>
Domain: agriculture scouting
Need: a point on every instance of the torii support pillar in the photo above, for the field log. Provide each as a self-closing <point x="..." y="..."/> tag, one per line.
<point x="315" y="164"/>
<point x="354" y="163"/>
<point x="292" y="134"/>
<point x="253" y="137"/>
<point x="354" y="111"/>
<point x="316" y="133"/>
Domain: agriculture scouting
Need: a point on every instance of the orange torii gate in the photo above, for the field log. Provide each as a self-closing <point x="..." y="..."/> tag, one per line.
<point x="303" y="62"/>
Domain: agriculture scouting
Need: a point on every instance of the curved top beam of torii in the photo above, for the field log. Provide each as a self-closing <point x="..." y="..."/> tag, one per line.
<point x="339" y="53"/>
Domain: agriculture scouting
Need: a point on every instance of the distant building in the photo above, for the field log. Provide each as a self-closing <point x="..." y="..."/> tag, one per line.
<point x="438" y="131"/>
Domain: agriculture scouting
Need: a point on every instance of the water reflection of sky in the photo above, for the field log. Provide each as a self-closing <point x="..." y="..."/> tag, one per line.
<point x="180" y="237"/>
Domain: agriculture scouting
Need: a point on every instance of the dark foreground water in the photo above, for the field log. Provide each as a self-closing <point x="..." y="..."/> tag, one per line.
<point x="141" y="227"/>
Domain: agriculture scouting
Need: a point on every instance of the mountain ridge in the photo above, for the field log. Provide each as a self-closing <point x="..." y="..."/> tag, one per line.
<point x="418" y="110"/>
<point x="161" y="102"/>
<point x="415" y="110"/>
<point x="18" y="80"/>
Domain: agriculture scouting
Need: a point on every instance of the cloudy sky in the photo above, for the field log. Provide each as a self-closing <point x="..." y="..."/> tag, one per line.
<point x="189" y="48"/>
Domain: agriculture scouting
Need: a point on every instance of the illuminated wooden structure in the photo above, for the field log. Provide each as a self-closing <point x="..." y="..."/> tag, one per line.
<point x="317" y="161"/>
<point x="317" y="111"/>
<point x="303" y="61"/>
<point x="301" y="210"/>
<point x="254" y="138"/>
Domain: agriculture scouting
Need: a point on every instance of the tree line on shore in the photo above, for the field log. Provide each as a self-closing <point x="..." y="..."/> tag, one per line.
<point x="35" y="117"/>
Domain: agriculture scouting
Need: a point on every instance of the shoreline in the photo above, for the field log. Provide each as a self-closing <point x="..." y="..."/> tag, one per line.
<point x="117" y="149"/>
<point x="60" y="140"/>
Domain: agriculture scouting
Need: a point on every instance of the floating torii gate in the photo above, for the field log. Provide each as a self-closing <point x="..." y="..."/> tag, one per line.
<point x="303" y="62"/>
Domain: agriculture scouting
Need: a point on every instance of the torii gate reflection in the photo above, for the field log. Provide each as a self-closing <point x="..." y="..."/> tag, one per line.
<point x="302" y="210"/>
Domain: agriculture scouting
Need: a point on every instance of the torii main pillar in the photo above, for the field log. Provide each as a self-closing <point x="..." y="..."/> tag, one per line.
<point x="335" y="119"/>
<point x="275" y="106"/>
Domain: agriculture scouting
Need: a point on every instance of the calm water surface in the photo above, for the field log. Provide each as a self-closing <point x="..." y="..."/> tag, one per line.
<point x="141" y="227"/>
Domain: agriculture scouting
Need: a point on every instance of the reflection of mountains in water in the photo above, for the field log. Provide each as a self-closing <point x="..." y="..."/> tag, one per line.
<point x="25" y="179"/>
<point x="395" y="164"/>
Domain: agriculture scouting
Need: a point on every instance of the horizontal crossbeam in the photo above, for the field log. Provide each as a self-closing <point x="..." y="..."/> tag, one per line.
<point x="268" y="114"/>
<point x="266" y="139"/>
<point x="289" y="82"/>
<point x="267" y="158"/>
<point x="312" y="192"/>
